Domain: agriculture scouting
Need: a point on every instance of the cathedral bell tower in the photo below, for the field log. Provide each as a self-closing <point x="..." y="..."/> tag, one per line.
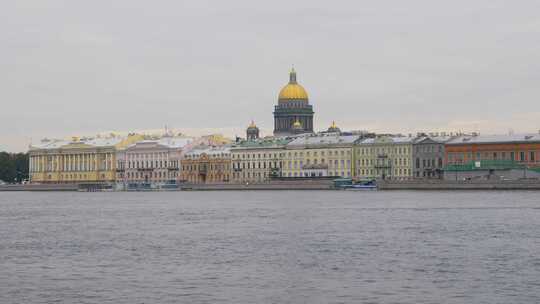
<point x="252" y="131"/>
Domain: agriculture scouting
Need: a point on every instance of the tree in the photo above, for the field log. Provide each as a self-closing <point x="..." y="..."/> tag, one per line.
<point x="13" y="167"/>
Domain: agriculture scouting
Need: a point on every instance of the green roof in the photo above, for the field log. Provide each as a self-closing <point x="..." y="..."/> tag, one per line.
<point x="485" y="165"/>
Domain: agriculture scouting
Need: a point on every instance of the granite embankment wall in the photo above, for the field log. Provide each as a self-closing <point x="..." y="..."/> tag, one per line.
<point x="42" y="187"/>
<point x="275" y="185"/>
<point x="460" y="185"/>
<point x="321" y="185"/>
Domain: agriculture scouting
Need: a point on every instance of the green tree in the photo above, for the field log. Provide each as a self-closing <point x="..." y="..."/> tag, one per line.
<point x="13" y="167"/>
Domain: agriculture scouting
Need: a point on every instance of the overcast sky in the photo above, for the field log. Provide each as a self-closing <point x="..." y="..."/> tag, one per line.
<point x="82" y="67"/>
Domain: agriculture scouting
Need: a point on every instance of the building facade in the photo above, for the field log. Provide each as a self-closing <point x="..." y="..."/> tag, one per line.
<point x="257" y="161"/>
<point x="428" y="157"/>
<point x="293" y="113"/>
<point x="319" y="155"/>
<point x="80" y="160"/>
<point x="384" y="157"/>
<point x="206" y="165"/>
<point x="520" y="148"/>
<point x="151" y="162"/>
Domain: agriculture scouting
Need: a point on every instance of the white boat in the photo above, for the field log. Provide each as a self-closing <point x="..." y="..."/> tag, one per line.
<point x="359" y="187"/>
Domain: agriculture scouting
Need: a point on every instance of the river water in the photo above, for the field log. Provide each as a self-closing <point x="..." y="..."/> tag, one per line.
<point x="270" y="247"/>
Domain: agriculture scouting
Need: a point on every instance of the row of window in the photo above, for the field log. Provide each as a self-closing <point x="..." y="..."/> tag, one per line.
<point x="72" y="166"/>
<point x="429" y="163"/>
<point x="154" y="155"/>
<point x="249" y="175"/>
<point x="383" y="150"/>
<point x="208" y="179"/>
<point x="322" y="153"/>
<point x="332" y="163"/>
<point x="256" y="155"/>
<point x="74" y="176"/>
<point x="428" y="149"/>
<point x="211" y="155"/>
<point x="258" y="165"/>
<point x="521" y="156"/>
<point x="396" y="172"/>
<point x="371" y="162"/>
<point x="210" y="166"/>
<point x="154" y="175"/>
<point x="318" y="174"/>
<point x="148" y="164"/>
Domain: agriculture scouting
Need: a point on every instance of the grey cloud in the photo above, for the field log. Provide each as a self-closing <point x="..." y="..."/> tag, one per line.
<point x="68" y="67"/>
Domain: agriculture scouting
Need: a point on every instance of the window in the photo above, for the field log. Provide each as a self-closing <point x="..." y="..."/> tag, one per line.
<point x="531" y="156"/>
<point x="522" y="156"/>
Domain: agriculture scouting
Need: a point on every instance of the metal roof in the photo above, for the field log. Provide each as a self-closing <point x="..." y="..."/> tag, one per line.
<point x="167" y="142"/>
<point x="496" y="139"/>
<point x="218" y="150"/>
<point x="261" y="143"/>
<point x="439" y="139"/>
<point x="387" y="140"/>
<point x="61" y="143"/>
<point x="330" y="139"/>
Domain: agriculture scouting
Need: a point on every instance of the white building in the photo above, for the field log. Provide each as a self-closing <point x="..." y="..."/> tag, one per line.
<point x="151" y="162"/>
<point x="257" y="161"/>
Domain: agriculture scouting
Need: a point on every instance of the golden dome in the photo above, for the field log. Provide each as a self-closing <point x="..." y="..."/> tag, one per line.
<point x="252" y="125"/>
<point x="293" y="90"/>
<point x="333" y="128"/>
<point x="297" y="124"/>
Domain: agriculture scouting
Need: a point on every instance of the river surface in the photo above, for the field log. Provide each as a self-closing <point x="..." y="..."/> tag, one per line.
<point x="270" y="247"/>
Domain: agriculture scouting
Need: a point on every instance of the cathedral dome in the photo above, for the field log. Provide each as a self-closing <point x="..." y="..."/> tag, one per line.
<point x="293" y="91"/>
<point x="252" y="125"/>
<point x="333" y="128"/>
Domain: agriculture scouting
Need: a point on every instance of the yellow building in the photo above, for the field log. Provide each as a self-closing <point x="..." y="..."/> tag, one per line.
<point x="319" y="156"/>
<point x="206" y="165"/>
<point x="80" y="160"/>
<point x="384" y="157"/>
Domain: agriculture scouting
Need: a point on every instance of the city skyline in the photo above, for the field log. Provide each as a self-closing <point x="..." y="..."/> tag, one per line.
<point x="202" y="68"/>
